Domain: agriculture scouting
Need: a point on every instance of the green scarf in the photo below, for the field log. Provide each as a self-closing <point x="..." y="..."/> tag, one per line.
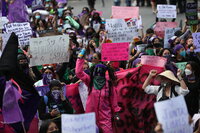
<point x="99" y="82"/>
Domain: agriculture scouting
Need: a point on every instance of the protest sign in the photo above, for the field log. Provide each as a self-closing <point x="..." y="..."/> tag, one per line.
<point x="181" y="66"/>
<point x="121" y="31"/>
<point x="173" y="115"/>
<point x="169" y="32"/>
<point x="48" y="50"/>
<point x="22" y="30"/>
<point x="115" y="51"/>
<point x="125" y="12"/>
<point x="42" y="90"/>
<point x="191" y="13"/>
<point x="160" y="27"/>
<point x="3" y="20"/>
<point x="196" y="39"/>
<point x="82" y="123"/>
<point x="166" y="11"/>
<point x="153" y="61"/>
<point x="83" y="91"/>
<point x="141" y="47"/>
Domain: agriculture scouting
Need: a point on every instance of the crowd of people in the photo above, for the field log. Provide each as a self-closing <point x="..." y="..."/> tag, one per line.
<point x="87" y="33"/>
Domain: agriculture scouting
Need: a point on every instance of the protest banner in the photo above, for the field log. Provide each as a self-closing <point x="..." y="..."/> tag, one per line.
<point x="115" y="51"/>
<point x="120" y="12"/>
<point x="83" y="92"/>
<point x="191" y="13"/>
<point x="160" y="27"/>
<point x="173" y="115"/>
<point x="169" y="32"/>
<point x="82" y="123"/>
<point x="141" y="47"/>
<point x="153" y="61"/>
<point x="49" y="50"/>
<point x="137" y="110"/>
<point x="22" y="30"/>
<point x="166" y="11"/>
<point x="121" y="31"/>
<point x="196" y="39"/>
<point x="181" y="66"/>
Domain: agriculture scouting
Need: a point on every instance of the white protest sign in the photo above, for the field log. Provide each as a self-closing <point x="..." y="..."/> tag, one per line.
<point x="3" y="20"/>
<point x="48" y="50"/>
<point x="166" y="11"/>
<point x="83" y="91"/>
<point x="79" y="123"/>
<point x="22" y="30"/>
<point x="196" y="39"/>
<point x="169" y="32"/>
<point x="4" y="38"/>
<point x="173" y="115"/>
<point x="121" y="31"/>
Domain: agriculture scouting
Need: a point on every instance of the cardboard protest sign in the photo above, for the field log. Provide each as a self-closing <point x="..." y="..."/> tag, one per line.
<point x="153" y="61"/>
<point x="192" y="13"/>
<point x="83" y="91"/>
<point x="169" y="32"/>
<point x="160" y="27"/>
<point x="196" y="39"/>
<point x="115" y="51"/>
<point x="121" y="31"/>
<point x="22" y="30"/>
<point x="166" y="11"/>
<point x="49" y="50"/>
<point x="120" y="12"/>
<point x="173" y="115"/>
<point x="181" y="66"/>
<point x="82" y="123"/>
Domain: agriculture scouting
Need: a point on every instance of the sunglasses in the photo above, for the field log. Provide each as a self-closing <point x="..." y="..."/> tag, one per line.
<point x="45" y="67"/>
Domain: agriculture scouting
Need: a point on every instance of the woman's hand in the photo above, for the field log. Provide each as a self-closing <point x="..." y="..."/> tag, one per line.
<point x="54" y="112"/>
<point x="152" y="73"/>
<point x="179" y="74"/>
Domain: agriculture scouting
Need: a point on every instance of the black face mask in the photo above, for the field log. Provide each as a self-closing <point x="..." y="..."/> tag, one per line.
<point x="57" y="131"/>
<point x="90" y="33"/>
<point x="73" y="37"/>
<point x="91" y="46"/>
<point x="23" y="66"/>
<point x="177" y="42"/>
<point x="157" y="45"/>
<point x="190" y="45"/>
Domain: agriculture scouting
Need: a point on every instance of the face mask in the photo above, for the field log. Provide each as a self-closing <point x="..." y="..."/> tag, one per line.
<point x="86" y="26"/>
<point x="47" y="78"/>
<point x="56" y="94"/>
<point x="59" y="29"/>
<point x="188" y="72"/>
<point x="57" y="131"/>
<point x="183" y="53"/>
<point x="79" y="40"/>
<point x="23" y="66"/>
<point x="157" y="45"/>
<point x="37" y="17"/>
<point x="91" y="46"/>
<point x="47" y="5"/>
<point x="177" y="42"/>
<point x="150" y="52"/>
<point x="165" y="84"/>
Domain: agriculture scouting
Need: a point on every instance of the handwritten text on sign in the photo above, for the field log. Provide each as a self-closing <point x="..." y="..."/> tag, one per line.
<point x="83" y="123"/>
<point x="169" y="32"/>
<point x="48" y="50"/>
<point x="125" y="12"/>
<point x="153" y="61"/>
<point x="196" y="38"/>
<point x="22" y="30"/>
<point x="120" y="31"/>
<point x="173" y="115"/>
<point x="115" y="51"/>
<point x="166" y="11"/>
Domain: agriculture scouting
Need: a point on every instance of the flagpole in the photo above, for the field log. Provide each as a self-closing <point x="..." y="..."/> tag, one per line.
<point x="23" y="127"/>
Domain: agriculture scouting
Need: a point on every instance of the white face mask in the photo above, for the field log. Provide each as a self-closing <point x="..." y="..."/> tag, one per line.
<point x="188" y="72"/>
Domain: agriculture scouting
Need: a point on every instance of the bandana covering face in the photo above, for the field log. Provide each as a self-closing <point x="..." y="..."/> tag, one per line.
<point x="99" y="76"/>
<point x="56" y="94"/>
<point x="47" y="78"/>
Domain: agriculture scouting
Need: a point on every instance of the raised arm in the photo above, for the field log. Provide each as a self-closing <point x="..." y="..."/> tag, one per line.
<point x="152" y="73"/>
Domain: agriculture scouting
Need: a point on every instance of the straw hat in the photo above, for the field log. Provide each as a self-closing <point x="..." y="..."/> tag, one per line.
<point x="168" y="74"/>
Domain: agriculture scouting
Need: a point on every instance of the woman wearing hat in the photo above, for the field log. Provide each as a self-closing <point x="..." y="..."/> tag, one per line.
<point x="170" y="86"/>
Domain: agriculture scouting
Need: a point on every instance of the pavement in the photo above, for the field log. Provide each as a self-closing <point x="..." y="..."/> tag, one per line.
<point x="148" y="17"/>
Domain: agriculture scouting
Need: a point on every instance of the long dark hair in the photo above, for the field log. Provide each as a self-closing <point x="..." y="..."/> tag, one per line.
<point x="111" y="73"/>
<point x="45" y="125"/>
<point x="195" y="68"/>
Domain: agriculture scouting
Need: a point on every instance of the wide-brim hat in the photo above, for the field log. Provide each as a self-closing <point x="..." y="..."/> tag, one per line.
<point x="169" y="75"/>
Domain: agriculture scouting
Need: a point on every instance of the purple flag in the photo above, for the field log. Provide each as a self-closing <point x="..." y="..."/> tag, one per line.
<point x="42" y="90"/>
<point x="10" y="110"/>
<point x="17" y="12"/>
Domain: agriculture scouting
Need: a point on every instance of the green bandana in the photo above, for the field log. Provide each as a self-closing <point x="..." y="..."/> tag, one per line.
<point x="99" y="82"/>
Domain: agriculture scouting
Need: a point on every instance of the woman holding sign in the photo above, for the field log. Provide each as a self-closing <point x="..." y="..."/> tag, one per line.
<point x="102" y="96"/>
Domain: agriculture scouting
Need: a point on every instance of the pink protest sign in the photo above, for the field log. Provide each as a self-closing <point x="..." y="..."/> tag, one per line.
<point x="160" y="27"/>
<point x="153" y="61"/>
<point x="125" y="12"/>
<point x="115" y="51"/>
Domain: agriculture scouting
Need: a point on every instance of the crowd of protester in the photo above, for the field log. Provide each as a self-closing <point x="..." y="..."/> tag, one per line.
<point x="87" y="33"/>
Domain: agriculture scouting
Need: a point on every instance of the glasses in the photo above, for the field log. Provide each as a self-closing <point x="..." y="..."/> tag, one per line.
<point x="45" y="67"/>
